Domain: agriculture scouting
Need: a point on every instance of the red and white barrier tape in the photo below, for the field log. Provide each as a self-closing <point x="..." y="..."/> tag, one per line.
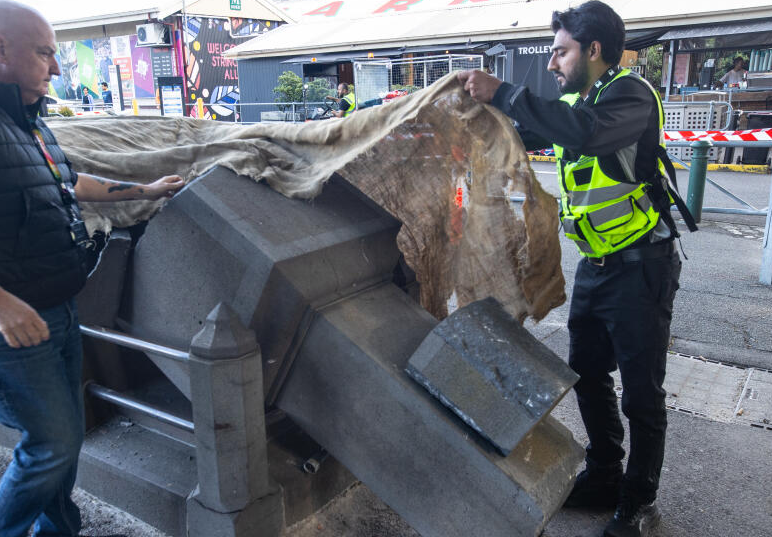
<point x="753" y="135"/>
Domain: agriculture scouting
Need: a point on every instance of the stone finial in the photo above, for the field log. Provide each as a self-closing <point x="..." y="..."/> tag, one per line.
<point x="223" y="336"/>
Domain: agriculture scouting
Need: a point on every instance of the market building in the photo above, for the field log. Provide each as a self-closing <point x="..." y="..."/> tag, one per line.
<point x="512" y="36"/>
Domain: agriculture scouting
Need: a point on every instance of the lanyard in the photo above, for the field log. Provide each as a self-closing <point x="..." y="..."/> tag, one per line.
<point x="49" y="159"/>
<point x="68" y="197"/>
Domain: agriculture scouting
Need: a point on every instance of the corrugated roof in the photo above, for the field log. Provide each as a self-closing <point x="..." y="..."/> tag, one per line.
<point x="366" y="24"/>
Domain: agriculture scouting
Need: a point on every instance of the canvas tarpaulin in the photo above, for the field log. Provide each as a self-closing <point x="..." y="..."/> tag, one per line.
<point x="441" y="163"/>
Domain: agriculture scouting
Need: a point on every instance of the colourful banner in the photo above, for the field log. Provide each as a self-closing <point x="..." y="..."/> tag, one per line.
<point x="68" y="65"/>
<point x="58" y="84"/>
<point x="121" y="50"/>
<point x="210" y="76"/>
<point x="142" y="68"/>
<point x="86" y="69"/>
<point x="102" y="57"/>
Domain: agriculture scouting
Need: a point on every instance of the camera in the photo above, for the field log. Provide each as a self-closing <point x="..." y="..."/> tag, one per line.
<point x="78" y="233"/>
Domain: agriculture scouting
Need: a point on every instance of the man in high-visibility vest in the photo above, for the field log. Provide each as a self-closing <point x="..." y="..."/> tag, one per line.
<point x="615" y="206"/>
<point x="346" y="100"/>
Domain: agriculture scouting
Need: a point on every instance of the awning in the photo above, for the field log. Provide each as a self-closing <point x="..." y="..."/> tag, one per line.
<point x="640" y="39"/>
<point x="341" y="57"/>
<point x="718" y="30"/>
<point x="382" y="53"/>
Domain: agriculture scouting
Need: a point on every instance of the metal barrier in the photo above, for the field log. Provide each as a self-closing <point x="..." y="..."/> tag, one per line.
<point x="224" y="367"/>
<point x="694" y="200"/>
<point x="698" y="177"/>
<point x="126" y="401"/>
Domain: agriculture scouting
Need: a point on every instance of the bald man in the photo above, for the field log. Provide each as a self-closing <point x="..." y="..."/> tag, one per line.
<point x="42" y="238"/>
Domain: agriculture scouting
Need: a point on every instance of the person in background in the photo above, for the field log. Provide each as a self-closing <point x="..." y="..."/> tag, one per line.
<point x="107" y="95"/>
<point x="42" y="267"/>
<point x="88" y="100"/>
<point x="346" y="101"/>
<point x="735" y="75"/>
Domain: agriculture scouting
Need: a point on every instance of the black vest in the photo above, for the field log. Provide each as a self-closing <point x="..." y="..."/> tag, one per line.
<point x="39" y="262"/>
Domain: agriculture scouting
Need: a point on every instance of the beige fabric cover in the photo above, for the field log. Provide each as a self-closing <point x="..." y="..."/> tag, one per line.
<point x="411" y="156"/>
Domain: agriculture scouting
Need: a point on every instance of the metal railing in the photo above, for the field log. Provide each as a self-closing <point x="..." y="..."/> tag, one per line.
<point x="128" y="402"/>
<point x="698" y="178"/>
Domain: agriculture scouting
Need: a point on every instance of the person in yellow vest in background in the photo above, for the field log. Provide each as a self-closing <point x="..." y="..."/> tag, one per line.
<point x="607" y="132"/>
<point x="346" y="100"/>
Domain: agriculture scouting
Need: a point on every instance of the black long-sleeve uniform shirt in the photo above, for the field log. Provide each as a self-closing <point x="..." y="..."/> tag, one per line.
<point x="622" y="128"/>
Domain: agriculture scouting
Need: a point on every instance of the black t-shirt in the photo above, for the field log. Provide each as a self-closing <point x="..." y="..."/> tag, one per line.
<point x="344" y="105"/>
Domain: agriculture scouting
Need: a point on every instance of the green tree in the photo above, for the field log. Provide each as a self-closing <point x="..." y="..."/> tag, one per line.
<point x="290" y="90"/>
<point x="654" y="65"/>
<point x="320" y="88"/>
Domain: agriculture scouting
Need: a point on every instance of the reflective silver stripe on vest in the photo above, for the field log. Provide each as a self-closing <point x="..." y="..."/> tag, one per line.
<point x="644" y="203"/>
<point x="612" y="212"/>
<point x="569" y="226"/>
<point x="618" y="210"/>
<point x="598" y="195"/>
<point x="584" y="246"/>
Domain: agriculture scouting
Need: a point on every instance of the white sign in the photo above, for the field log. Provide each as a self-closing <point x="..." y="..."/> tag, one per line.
<point x="115" y="84"/>
<point x="171" y="97"/>
<point x="534" y="49"/>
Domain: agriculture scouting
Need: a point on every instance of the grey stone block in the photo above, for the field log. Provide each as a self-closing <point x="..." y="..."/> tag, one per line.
<point x="490" y="371"/>
<point x="143" y="473"/>
<point x="349" y="391"/>
<point x="226" y="238"/>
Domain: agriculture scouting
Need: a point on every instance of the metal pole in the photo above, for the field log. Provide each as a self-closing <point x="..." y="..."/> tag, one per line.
<point x="765" y="276"/>
<point x="130" y="403"/>
<point x="671" y="68"/>
<point x="112" y="336"/>
<point x="697" y="172"/>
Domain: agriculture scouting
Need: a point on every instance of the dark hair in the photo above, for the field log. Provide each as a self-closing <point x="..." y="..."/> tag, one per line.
<point x="345" y="86"/>
<point x="738" y="59"/>
<point x="104" y="84"/>
<point x="594" y="21"/>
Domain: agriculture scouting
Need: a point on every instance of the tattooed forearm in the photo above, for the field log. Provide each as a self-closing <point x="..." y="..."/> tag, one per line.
<point x="117" y="187"/>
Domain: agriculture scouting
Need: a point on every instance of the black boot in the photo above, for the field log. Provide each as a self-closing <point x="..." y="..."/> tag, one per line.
<point x="596" y="487"/>
<point x="633" y="518"/>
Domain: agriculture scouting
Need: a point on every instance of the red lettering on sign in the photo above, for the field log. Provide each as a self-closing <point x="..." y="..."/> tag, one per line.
<point x="459" y="2"/>
<point x="328" y="10"/>
<point x="396" y="5"/>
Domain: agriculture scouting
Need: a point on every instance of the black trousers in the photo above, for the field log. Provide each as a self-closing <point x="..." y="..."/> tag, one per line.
<point x="620" y="317"/>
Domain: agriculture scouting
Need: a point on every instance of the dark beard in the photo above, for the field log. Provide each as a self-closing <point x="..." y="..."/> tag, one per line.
<point x="577" y="80"/>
